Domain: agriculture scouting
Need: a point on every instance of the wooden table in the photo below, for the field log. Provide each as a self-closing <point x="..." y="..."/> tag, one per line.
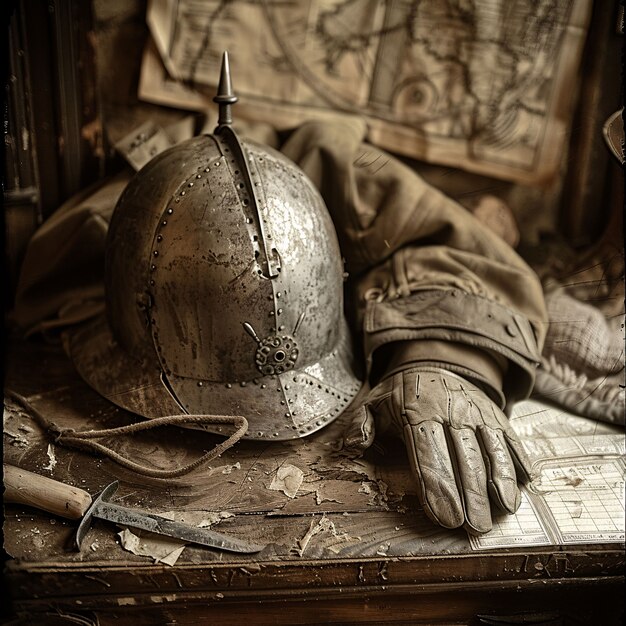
<point x="352" y="546"/>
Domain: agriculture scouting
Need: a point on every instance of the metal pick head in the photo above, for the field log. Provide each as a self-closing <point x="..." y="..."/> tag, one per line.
<point x="225" y="97"/>
<point x="123" y="516"/>
<point x="85" y="523"/>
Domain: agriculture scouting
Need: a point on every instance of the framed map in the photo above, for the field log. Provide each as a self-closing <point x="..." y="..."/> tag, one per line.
<point x="483" y="85"/>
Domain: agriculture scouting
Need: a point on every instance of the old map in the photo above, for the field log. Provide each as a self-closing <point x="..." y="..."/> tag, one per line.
<point x="577" y="494"/>
<point x="484" y="85"/>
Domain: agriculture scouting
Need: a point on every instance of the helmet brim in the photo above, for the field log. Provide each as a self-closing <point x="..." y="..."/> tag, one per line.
<point x="278" y="407"/>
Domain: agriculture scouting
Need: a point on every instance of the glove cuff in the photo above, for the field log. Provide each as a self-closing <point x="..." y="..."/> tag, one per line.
<point x="465" y="318"/>
<point x="482" y="367"/>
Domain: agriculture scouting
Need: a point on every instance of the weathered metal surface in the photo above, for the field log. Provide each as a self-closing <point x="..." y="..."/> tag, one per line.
<point x="125" y="516"/>
<point x="224" y="287"/>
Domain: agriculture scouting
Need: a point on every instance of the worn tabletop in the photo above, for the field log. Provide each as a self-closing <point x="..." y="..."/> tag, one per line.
<point x="327" y="520"/>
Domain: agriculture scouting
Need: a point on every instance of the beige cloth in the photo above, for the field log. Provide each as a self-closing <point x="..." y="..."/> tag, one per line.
<point x="582" y="366"/>
<point x="421" y="267"/>
<point x="61" y="279"/>
<point x="579" y="335"/>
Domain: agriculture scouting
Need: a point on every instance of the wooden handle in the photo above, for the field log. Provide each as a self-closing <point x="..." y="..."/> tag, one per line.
<point x="24" y="487"/>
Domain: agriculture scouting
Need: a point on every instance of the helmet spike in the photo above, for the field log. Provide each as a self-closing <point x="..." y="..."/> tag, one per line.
<point x="225" y="97"/>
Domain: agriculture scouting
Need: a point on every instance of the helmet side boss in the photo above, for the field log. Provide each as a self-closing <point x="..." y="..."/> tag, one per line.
<point x="224" y="296"/>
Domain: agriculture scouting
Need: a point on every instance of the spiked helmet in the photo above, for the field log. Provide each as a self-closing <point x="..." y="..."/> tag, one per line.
<point x="224" y="291"/>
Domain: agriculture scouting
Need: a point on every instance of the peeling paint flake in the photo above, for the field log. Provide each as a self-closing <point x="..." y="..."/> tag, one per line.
<point x="17" y="431"/>
<point x="18" y="439"/>
<point x="227" y="469"/>
<point x="310" y="533"/>
<point x="377" y="492"/>
<point x="287" y="479"/>
<point x="164" y="551"/>
<point x="52" y="458"/>
<point x="335" y="540"/>
<point x="214" y="518"/>
<point x="319" y="498"/>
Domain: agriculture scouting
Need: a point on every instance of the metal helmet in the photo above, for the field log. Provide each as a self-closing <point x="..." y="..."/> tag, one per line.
<point x="224" y="291"/>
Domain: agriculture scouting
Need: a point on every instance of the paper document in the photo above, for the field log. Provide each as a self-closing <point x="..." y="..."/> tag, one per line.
<point x="486" y="86"/>
<point x="577" y="495"/>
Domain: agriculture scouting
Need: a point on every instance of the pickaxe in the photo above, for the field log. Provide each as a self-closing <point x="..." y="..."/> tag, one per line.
<point x="24" y="487"/>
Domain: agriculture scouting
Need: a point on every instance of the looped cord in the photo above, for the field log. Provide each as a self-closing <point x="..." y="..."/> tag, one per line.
<point x="82" y="439"/>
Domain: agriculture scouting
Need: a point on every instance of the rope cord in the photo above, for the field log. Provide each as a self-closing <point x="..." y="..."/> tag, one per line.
<point x="82" y="439"/>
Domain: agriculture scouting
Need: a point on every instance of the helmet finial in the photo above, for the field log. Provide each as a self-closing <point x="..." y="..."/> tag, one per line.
<point x="225" y="97"/>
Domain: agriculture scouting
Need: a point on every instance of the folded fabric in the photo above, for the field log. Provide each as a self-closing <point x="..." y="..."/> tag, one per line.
<point x="601" y="398"/>
<point x="580" y="336"/>
<point x="582" y="366"/>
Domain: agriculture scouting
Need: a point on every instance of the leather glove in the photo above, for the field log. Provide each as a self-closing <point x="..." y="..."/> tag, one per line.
<point x="463" y="452"/>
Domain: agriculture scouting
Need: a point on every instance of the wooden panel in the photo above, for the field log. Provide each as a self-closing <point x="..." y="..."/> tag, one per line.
<point x="586" y="206"/>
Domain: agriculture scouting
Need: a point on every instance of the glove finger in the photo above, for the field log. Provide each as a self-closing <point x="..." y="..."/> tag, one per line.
<point x="430" y="461"/>
<point x="522" y="463"/>
<point x="359" y="435"/>
<point x="496" y="419"/>
<point x="501" y="477"/>
<point x="472" y="477"/>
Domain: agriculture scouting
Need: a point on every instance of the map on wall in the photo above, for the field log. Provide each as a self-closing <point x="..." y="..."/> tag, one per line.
<point x="483" y="85"/>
